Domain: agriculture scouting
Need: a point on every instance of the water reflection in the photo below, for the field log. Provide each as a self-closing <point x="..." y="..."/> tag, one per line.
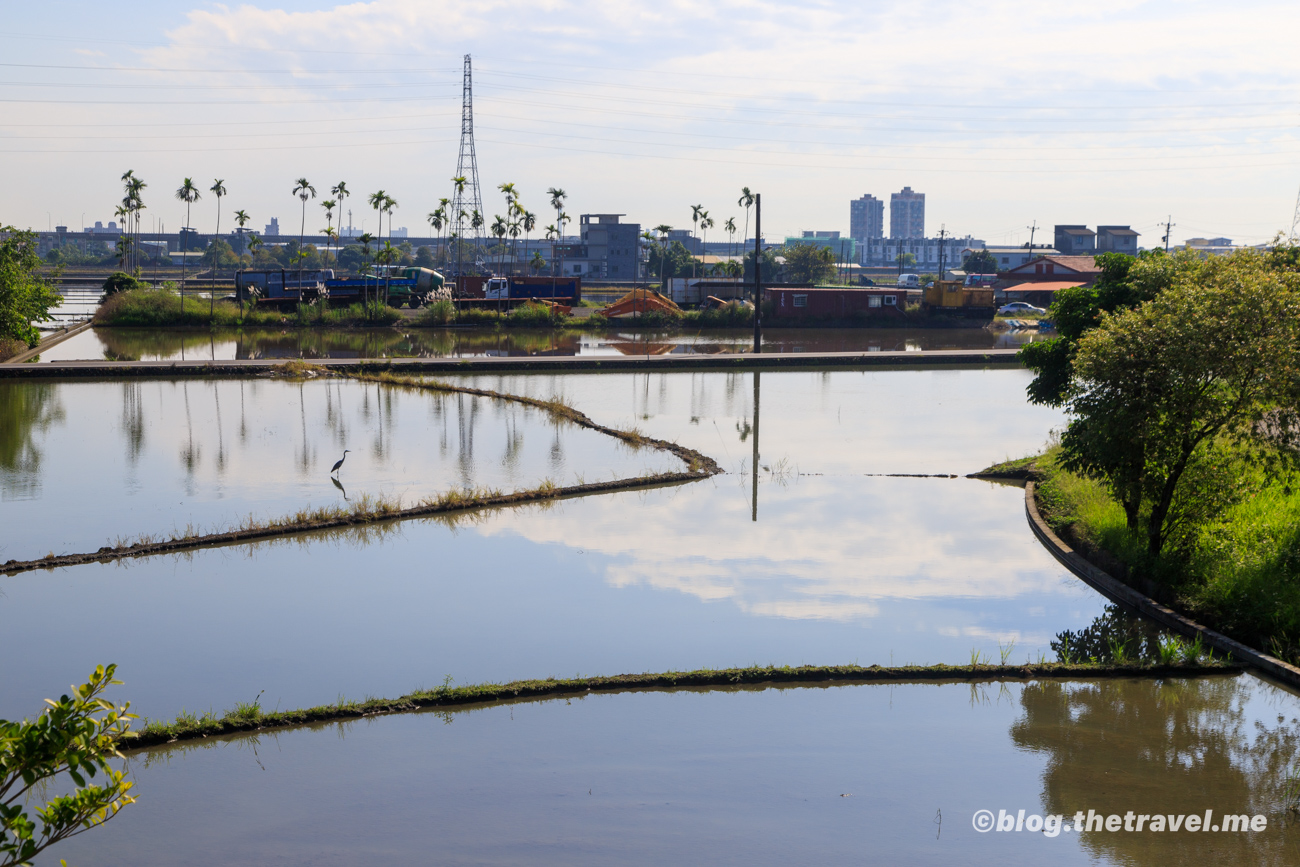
<point x="1167" y="747"/>
<point x="128" y="344"/>
<point x="820" y="773"/>
<point x="27" y="412"/>
<point x="144" y="457"/>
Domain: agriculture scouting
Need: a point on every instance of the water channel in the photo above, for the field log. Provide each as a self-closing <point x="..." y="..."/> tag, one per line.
<point x="820" y="557"/>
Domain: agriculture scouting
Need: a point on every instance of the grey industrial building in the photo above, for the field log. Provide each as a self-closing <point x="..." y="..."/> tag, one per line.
<point x="613" y="249"/>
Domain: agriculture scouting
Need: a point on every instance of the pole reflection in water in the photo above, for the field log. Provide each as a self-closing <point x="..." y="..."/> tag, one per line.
<point x="755" y="458"/>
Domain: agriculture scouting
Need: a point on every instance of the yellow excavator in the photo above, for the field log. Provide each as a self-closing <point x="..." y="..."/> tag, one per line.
<point x="641" y="300"/>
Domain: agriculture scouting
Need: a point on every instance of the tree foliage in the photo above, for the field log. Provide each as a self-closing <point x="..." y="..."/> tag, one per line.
<point x="75" y="736"/>
<point x="676" y="262"/>
<point x="809" y="263"/>
<point x="770" y="272"/>
<point x="1125" y="282"/>
<point x="24" y="296"/>
<point x="1171" y="397"/>
<point x="980" y="262"/>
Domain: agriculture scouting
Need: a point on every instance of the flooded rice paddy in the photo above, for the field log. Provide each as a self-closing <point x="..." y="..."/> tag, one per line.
<point x="816" y="774"/>
<point x="131" y="344"/>
<point x="835" y="551"/>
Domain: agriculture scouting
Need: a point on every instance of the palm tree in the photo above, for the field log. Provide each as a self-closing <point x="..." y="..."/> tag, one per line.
<point x="730" y="226"/>
<point x="332" y="234"/>
<point x="663" y="229"/>
<point x="476" y="223"/>
<point x="126" y="212"/>
<point x="241" y="220"/>
<point x="696" y="210"/>
<point x="340" y="192"/>
<point x="443" y="205"/>
<point x="514" y="247"/>
<point x="124" y="242"/>
<point x="217" y="189"/>
<point x="436" y="220"/>
<point x="498" y="230"/>
<point x="745" y="201"/>
<point x="390" y="204"/>
<point x="365" y="238"/>
<point x="649" y="240"/>
<point x="529" y="221"/>
<point x="557" y="202"/>
<point x="189" y="194"/>
<point x="329" y="205"/>
<point x="304" y="191"/>
<point x="551" y="233"/>
<point x="560" y="219"/>
<point x="254" y="244"/>
<point x="459" y="183"/>
<point x="706" y="223"/>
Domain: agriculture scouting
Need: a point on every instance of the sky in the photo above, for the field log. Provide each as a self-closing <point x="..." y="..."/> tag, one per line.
<point x="1005" y="114"/>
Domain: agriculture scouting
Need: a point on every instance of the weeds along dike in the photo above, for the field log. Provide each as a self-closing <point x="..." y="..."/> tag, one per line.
<point x="370" y="510"/>
<point x="251" y="718"/>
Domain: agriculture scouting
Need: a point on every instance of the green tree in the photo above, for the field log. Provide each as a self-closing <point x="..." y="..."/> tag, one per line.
<point x="1124" y="282"/>
<point x="809" y="263"/>
<point x="74" y="737"/>
<point x="24" y="296"/>
<point x="673" y="260"/>
<point x="770" y="272"/>
<point x="905" y="261"/>
<point x="980" y="262"/>
<point x="1164" y="391"/>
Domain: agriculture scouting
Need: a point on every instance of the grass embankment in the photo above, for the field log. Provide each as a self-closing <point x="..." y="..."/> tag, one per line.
<point x="157" y="308"/>
<point x="163" y="308"/>
<point x="1239" y="573"/>
<point x="369" y="510"/>
<point x="251" y="717"/>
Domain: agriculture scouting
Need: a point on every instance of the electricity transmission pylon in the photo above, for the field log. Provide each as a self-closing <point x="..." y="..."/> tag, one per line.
<point x="468" y="200"/>
<point x="1295" y="219"/>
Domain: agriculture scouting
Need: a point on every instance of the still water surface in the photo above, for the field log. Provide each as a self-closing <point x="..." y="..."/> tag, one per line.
<point x="824" y="775"/>
<point x="122" y="344"/>
<point x="834" y="563"/>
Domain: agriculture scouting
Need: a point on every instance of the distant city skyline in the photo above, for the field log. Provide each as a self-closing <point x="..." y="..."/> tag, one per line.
<point x="1158" y="108"/>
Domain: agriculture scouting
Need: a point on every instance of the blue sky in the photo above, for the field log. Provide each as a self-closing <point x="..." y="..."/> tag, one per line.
<point x="1003" y="113"/>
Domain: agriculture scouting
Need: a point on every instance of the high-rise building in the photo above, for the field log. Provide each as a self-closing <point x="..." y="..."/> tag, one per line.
<point x="866" y="219"/>
<point x="906" y="214"/>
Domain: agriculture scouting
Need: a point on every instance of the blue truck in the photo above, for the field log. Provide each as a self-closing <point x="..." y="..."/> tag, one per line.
<point x="401" y="286"/>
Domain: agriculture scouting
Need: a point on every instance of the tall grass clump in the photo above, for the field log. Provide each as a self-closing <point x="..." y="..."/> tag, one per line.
<point x="477" y="316"/>
<point x="440" y="312"/>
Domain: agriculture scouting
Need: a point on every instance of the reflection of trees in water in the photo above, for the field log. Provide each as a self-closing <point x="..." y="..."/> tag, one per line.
<point x="26" y="410"/>
<point x="191" y="454"/>
<point x="1169" y="747"/>
<point x="133" y="421"/>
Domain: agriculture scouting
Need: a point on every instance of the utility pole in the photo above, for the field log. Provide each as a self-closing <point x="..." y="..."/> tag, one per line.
<point x="1169" y="226"/>
<point x="758" y="278"/>
<point x="943" y="233"/>
<point x="1032" y="228"/>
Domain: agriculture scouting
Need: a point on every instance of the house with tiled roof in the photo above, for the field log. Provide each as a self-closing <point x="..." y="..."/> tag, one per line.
<point x="1038" y="280"/>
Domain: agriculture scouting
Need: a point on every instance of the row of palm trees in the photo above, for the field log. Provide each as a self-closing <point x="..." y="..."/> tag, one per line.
<point x="702" y="222"/>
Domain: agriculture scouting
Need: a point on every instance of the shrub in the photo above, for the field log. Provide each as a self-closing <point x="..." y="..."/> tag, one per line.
<point x="477" y="316"/>
<point x="532" y="315"/>
<point x="120" y="281"/>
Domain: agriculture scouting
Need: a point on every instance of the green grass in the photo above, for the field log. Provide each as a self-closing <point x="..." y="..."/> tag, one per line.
<point x="159" y="308"/>
<point x="1240" y="573"/>
<point x="250" y="716"/>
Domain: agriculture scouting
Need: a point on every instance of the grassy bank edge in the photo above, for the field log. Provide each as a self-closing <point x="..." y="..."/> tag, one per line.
<point x="250" y="717"/>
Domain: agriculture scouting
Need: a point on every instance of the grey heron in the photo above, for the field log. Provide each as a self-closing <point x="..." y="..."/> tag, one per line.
<point x="335" y="469"/>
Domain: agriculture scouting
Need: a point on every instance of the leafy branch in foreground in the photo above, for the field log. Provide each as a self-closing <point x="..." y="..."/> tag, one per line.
<point x="76" y="736"/>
